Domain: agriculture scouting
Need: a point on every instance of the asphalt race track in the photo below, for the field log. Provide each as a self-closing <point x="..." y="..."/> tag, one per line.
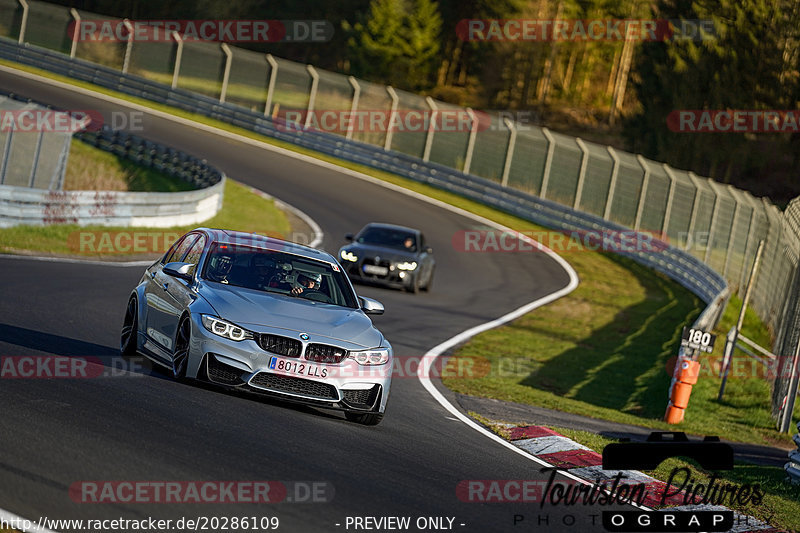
<point x="135" y="424"/>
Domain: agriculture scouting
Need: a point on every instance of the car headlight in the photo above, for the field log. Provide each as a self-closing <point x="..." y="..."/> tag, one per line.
<point x="407" y="265"/>
<point x="220" y="327"/>
<point x="377" y="356"/>
<point x="347" y="255"/>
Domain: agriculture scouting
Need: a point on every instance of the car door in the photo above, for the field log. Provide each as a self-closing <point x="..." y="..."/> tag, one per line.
<point x="161" y="305"/>
<point x="179" y="292"/>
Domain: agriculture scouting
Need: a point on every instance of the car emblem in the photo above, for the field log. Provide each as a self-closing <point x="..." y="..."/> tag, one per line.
<point x="377" y="259"/>
<point x="304" y="336"/>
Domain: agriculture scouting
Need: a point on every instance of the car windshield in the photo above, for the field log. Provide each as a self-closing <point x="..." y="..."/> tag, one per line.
<point x="389" y="237"/>
<point x="278" y="272"/>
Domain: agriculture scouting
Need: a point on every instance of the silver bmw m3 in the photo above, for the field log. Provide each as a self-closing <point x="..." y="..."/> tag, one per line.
<point x="245" y="311"/>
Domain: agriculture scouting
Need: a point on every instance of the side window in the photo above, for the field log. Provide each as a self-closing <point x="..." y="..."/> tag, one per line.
<point x="193" y="256"/>
<point x="178" y="251"/>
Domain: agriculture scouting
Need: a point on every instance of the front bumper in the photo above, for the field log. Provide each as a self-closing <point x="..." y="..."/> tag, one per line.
<point x="245" y="365"/>
<point x="395" y="278"/>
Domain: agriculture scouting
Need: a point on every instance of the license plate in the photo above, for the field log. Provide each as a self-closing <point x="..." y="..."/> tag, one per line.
<point x="376" y="270"/>
<point x="297" y="368"/>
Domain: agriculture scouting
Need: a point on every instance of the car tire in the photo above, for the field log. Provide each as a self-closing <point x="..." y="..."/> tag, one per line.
<point x="130" y="329"/>
<point x="427" y="287"/>
<point x="180" y="356"/>
<point x="414" y="286"/>
<point x="367" y="419"/>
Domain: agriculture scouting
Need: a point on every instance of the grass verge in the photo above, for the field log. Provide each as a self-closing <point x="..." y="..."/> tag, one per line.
<point x="242" y="210"/>
<point x="780" y="506"/>
<point x="92" y="169"/>
<point x="611" y="363"/>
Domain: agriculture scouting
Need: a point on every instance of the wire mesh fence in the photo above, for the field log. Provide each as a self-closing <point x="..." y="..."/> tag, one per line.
<point x="715" y="223"/>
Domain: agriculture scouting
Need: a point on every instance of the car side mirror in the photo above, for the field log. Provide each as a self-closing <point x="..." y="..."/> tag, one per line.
<point x="180" y="270"/>
<point x="428" y="250"/>
<point x="370" y="306"/>
<point x="348" y="236"/>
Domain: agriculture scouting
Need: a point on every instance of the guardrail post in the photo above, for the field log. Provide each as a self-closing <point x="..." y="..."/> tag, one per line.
<point x="581" y="173"/>
<point x="548" y="162"/>
<point x="273" y="75"/>
<point x="37" y="151"/>
<point x="673" y="180"/>
<point x="643" y="194"/>
<point x="512" y="140"/>
<point x="613" y="185"/>
<point x="312" y="95"/>
<point x="473" y="134"/>
<point x="227" y="72"/>
<point x="353" y="105"/>
<point x="714" y="215"/>
<point x="387" y="144"/>
<point x="178" y="56"/>
<point x="23" y="24"/>
<point x="128" y="46"/>
<point x="426" y="153"/>
<point x="6" y="156"/>
<point x="75" y="31"/>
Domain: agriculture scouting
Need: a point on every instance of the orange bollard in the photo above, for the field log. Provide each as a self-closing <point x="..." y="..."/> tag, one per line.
<point x="674" y="415"/>
<point x="685" y="375"/>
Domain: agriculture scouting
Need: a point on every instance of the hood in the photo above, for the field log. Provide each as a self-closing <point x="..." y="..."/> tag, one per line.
<point x="253" y="308"/>
<point x="371" y="250"/>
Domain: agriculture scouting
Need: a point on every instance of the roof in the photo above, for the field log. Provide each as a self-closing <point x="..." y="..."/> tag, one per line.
<point x="391" y="226"/>
<point x="262" y="241"/>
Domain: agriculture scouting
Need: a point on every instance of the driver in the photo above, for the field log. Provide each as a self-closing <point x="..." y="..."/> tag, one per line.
<point x="222" y="268"/>
<point x="306" y="281"/>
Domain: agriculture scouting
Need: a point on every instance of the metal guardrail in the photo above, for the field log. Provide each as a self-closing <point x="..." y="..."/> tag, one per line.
<point x="25" y="205"/>
<point x="675" y="263"/>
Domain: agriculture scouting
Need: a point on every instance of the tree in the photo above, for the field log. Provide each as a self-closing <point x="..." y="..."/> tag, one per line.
<point x="397" y="42"/>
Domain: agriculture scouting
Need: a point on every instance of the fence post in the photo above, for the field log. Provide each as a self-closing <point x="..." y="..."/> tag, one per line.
<point x="548" y="163"/>
<point x="512" y="140"/>
<point x="75" y="31"/>
<point x="643" y="194"/>
<point x="695" y="208"/>
<point x="178" y="55"/>
<point x="426" y="152"/>
<point x="353" y="105"/>
<point x="6" y="156"/>
<point x="613" y="185"/>
<point x="128" y="46"/>
<point x="714" y="215"/>
<point x="227" y="72"/>
<point x="735" y="335"/>
<point x="750" y="235"/>
<point x="473" y="134"/>
<point x="581" y="173"/>
<point x="273" y="75"/>
<point x="791" y="393"/>
<point x="387" y="144"/>
<point x="732" y="236"/>
<point x="23" y="24"/>
<point x="37" y="151"/>
<point x="312" y="95"/>
<point x="673" y="180"/>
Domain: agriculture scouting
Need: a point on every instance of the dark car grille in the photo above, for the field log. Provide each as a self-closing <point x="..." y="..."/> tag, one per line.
<point x="322" y="353"/>
<point x="292" y="385"/>
<point x="279" y="345"/>
<point x="361" y="398"/>
<point x="222" y="373"/>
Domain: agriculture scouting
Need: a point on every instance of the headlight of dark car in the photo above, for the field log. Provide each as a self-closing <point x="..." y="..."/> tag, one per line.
<point x="407" y="265"/>
<point x="348" y="255"/>
<point x="223" y="328"/>
<point x="376" y="356"/>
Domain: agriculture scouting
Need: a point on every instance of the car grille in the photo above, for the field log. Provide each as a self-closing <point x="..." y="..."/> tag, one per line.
<point x="291" y="385"/>
<point x="382" y="263"/>
<point x="361" y="398"/>
<point x="222" y="373"/>
<point x="279" y="345"/>
<point x="322" y="353"/>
